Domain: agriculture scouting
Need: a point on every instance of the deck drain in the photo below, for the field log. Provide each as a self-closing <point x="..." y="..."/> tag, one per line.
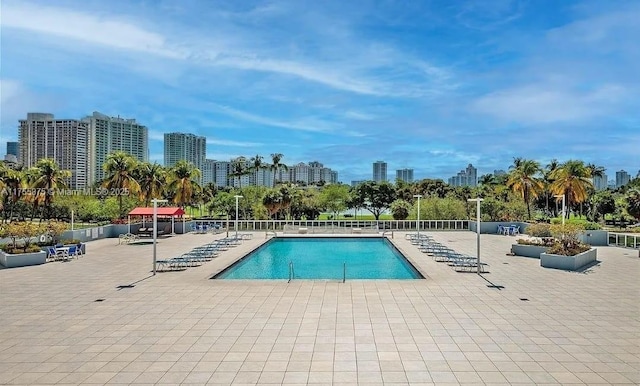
<point x="99" y="300"/>
<point x="524" y="299"/>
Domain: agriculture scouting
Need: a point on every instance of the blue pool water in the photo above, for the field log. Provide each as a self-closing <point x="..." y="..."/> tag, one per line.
<point x="323" y="258"/>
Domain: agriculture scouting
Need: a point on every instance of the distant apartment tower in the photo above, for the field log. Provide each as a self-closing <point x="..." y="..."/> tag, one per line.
<point x="12" y="148"/>
<point x="12" y="152"/>
<point x="208" y="171"/>
<point x="379" y="171"/>
<point x="110" y="134"/>
<point x="622" y="178"/>
<point x="184" y="146"/>
<point x="466" y="177"/>
<point x="63" y="140"/>
<point x="405" y="175"/>
<point x="221" y="173"/>
<point x="600" y="182"/>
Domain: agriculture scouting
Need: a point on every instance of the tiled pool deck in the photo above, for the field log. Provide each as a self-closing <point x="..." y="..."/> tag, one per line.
<point x="182" y="328"/>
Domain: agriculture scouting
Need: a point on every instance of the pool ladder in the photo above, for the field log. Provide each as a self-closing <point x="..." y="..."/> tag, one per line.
<point x="291" y="272"/>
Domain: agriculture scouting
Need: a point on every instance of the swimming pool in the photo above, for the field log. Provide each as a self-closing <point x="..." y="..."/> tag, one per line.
<point x="323" y="258"/>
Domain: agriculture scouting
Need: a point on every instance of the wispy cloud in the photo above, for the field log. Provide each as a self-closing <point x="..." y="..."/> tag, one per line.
<point x="223" y="142"/>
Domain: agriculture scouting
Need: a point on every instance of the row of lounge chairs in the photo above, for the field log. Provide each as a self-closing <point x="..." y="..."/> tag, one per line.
<point x="199" y="255"/>
<point x="441" y="253"/>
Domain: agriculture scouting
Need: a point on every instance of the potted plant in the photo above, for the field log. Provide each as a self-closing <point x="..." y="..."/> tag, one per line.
<point x="567" y="252"/>
<point x="539" y="242"/>
<point x="21" y="251"/>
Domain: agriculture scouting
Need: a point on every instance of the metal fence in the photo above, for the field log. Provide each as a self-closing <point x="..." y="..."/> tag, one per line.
<point x="626" y="240"/>
<point x="382" y="225"/>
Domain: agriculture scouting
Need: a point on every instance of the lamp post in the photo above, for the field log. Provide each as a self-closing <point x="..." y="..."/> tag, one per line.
<point x="418" y="196"/>
<point x="155" y="229"/>
<point x="237" y="198"/>
<point x="478" y="201"/>
<point x="563" y="208"/>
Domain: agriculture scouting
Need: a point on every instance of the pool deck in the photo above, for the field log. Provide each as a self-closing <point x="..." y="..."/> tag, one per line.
<point x="75" y="323"/>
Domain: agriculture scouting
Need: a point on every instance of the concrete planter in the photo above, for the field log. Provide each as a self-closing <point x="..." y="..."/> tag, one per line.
<point x="533" y="251"/>
<point x="22" y="259"/>
<point x="569" y="263"/>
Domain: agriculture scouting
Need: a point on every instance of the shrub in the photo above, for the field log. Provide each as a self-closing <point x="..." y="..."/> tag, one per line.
<point x="584" y="224"/>
<point x="21" y="234"/>
<point x="539" y="230"/>
<point x="566" y="240"/>
<point x="546" y="242"/>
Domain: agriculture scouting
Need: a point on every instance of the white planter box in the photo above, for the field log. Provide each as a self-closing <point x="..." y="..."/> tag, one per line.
<point x="569" y="263"/>
<point x="22" y="259"/>
<point x="533" y="251"/>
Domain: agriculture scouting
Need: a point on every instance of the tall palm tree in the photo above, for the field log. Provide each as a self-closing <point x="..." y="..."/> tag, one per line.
<point x="48" y="177"/>
<point x="257" y="163"/>
<point x="573" y="180"/>
<point x="239" y="169"/>
<point x="120" y="169"/>
<point x="152" y="179"/>
<point x="276" y="165"/>
<point x="522" y="180"/>
<point x="12" y="183"/>
<point x="183" y="182"/>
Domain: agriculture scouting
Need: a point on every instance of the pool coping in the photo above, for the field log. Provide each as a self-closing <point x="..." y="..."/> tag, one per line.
<point x="407" y="257"/>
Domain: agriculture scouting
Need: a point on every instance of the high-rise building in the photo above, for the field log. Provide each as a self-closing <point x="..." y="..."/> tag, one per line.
<point x="110" y="134"/>
<point x="221" y="176"/>
<point x="208" y="171"/>
<point x="12" y="148"/>
<point x="184" y="146"/>
<point x="63" y="140"/>
<point x="405" y="175"/>
<point x="379" y="171"/>
<point x="622" y="178"/>
<point x="465" y="177"/>
<point x="600" y="182"/>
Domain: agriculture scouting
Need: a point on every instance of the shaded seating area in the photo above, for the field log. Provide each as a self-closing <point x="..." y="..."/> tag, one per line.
<point x="63" y="253"/>
<point x="164" y="215"/>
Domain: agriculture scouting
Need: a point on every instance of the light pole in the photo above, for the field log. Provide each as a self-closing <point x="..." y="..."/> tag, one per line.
<point x="418" y="196"/>
<point x="237" y="198"/>
<point x="563" y="209"/>
<point x="155" y="229"/>
<point x="478" y="201"/>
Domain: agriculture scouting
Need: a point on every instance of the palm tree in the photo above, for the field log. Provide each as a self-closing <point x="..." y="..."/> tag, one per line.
<point x="256" y="163"/>
<point x="12" y="183"/>
<point x="152" y="179"/>
<point x="522" y="179"/>
<point x="120" y="168"/>
<point x="238" y="169"/>
<point x="47" y="178"/>
<point x="183" y="177"/>
<point x="276" y="166"/>
<point x="573" y="180"/>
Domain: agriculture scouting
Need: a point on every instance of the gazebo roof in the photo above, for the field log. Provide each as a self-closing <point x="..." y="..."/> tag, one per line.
<point x="174" y="212"/>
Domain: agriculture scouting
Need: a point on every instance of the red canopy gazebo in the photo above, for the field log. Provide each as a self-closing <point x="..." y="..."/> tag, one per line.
<point x="173" y="212"/>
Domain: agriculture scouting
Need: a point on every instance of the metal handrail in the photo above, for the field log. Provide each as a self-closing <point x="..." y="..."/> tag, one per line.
<point x="291" y="272"/>
<point x="385" y="233"/>
<point x="344" y="271"/>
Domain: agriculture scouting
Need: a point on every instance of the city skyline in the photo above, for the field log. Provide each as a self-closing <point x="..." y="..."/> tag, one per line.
<point x="427" y="86"/>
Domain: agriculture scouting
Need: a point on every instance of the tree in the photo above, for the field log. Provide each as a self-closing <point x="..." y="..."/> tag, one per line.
<point x="400" y="209"/>
<point x="47" y="178"/>
<point x="602" y="203"/>
<point x="633" y="203"/>
<point x="152" y="179"/>
<point x="276" y="165"/>
<point x="239" y="169"/>
<point x="120" y="168"/>
<point x="256" y="163"/>
<point x="522" y="180"/>
<point x="12" y="183"/>
<point x="334" y="198"/>
<point x="183" y="182"/>
<point x="573" y="180"/>
<point x="376" y="197"/>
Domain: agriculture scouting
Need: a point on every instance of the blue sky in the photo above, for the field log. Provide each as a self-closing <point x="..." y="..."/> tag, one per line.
<point x="430" y="85"/>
